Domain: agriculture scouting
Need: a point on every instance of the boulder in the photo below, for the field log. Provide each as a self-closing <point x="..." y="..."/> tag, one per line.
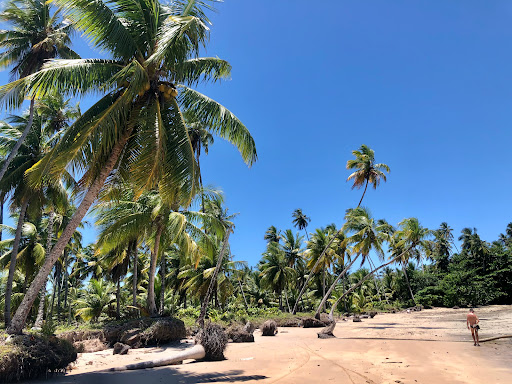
<point x="121" y="349"/>
<point x="132" y="337"/>
<point x="249" y="327"/>
<point x="269" y="328"/>
<point x="242" y="337"/>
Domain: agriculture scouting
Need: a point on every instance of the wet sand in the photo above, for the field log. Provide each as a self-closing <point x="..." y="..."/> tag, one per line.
<point x="431" y="346"/>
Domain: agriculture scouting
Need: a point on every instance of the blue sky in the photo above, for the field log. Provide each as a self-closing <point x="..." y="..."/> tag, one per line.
<point x="426" y="84"/>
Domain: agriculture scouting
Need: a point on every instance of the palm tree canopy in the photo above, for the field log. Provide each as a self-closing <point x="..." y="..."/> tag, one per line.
<point x="300" y="220"/>
<point x="36" y="36"/>
<point x="366" y="168"/>
<point x="147" y="86"/>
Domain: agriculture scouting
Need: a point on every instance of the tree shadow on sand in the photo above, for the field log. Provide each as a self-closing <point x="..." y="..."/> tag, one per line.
<point x="167" y="375"/>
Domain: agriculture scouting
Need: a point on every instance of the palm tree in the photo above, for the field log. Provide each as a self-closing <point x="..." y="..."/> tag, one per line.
<point x="272" y="235"/>
<point x="154" y="50"/>
<point x="301" y="221"/>
<point x="37" y="144"/>
<point x="366" y="236"/>
<point x="292" y="246"/>
<point x="413" y="237"/>
<point x="98" y="297"/>
<point x="36" y="37"/>
<point x="275" y="272"/>
<point x="367" y="172"/>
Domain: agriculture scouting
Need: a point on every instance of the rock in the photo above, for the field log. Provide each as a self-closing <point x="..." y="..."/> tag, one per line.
<point x="269" y="328"/>
<point x="121" y="349"/>
<point x="242" y="337"/>
<point x="356" y="319"/>
<point x="249" y="327"/>
<point x="311" y="322"/>
<point x="132" y="337"/>
<point x="373" y="314"/>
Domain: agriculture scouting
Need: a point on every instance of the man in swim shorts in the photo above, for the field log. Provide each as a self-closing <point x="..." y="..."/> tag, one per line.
<point x="472" y="323"/>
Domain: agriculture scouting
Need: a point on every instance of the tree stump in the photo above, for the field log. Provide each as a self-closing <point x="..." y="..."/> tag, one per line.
<point x="326" y="333"/>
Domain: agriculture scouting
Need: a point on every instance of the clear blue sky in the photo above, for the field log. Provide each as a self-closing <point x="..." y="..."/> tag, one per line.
<point x="426" y="84"/>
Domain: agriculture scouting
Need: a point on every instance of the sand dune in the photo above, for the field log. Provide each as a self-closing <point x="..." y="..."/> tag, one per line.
<point x="431" y="346"/>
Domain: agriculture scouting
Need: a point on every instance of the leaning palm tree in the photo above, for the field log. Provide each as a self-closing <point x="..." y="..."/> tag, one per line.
<point x="367" y="172"/>
<point x="37" y="36"/>
<point x="301" y="221"/>
<point x="413" y="238"/>
<point x="137" y="128"/>
<point x="366" y="236"/>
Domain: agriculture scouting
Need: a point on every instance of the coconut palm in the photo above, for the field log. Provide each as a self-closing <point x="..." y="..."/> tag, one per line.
<point x="412" y="237"/>
<point x="155" y="61"/>
<point x="366" y="169"/>
<point x="98" y="297"/>
<point x="275" y="272"/>
<point x="272" y="235"/>
<point x="366" y="236"/>
<point x="367" y="172"/>
<point x="301" y="221"/>
<point x="36" y="36"/>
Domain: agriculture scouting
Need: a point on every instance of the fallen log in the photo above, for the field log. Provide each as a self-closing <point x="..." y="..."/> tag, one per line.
<point x="496" y="338"/>
<point x="195" y="352"/>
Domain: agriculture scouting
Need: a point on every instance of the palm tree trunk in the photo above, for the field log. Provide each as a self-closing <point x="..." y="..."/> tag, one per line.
<point x="331" y="288"/>
<point x="360" y="201"/>
<point x="152" y="269"/>
<point x="408" y="283"/>
<point x="204" y="306"/>
<point x="118" y="298"/>
<point x="20" y="317"/>
<point x="2" y="201"/>
<point x="323" y="282"/>
<point x="12" y="266"/>
<point x="61" y="283"/>
<point x="376" y="281"/>
<point x="135" y="266"/>
<point x="286" y="299"/>
<point x="49" y="238"/>
<point x="20" y="140"/>
<point x="243" y="295"/>
<point x="162" y="284"/>
<point x="331" y="314"/>
<point x="307" y="236"/>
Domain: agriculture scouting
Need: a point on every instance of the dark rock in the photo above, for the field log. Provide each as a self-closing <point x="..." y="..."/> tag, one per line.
<point x="269" y="328"/>
<point x="373" y="314"/>
<point x="121" y="349"/>
<point x="242" y="337"/>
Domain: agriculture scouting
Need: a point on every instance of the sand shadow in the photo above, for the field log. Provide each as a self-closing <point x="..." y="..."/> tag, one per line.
<point x="167" y="375"/>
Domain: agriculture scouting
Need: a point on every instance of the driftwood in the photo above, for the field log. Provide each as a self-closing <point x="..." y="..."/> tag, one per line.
<point x="196" y="352"/>
<point x="496" y="338"/>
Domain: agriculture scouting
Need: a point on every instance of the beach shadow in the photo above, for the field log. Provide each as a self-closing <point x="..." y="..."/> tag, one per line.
<point x="167" y="375"/>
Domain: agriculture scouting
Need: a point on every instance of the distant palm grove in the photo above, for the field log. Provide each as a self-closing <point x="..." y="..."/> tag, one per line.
<point x="132" y="163"/>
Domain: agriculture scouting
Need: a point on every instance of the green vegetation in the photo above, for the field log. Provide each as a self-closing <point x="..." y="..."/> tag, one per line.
<point x="133" y="160"/>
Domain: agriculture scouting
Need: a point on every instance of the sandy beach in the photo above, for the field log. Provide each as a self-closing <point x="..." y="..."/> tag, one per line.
<point x="430" y="346"/>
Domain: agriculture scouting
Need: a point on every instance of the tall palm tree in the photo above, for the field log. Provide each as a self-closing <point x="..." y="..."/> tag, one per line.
<point x="155" y="61"/>
<point x="366" y="169"/>
<point x="37" y="36"/>
<point x="367" y="172"/>
<point x="301" y="221"/>
<point x="292" y="246"/>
